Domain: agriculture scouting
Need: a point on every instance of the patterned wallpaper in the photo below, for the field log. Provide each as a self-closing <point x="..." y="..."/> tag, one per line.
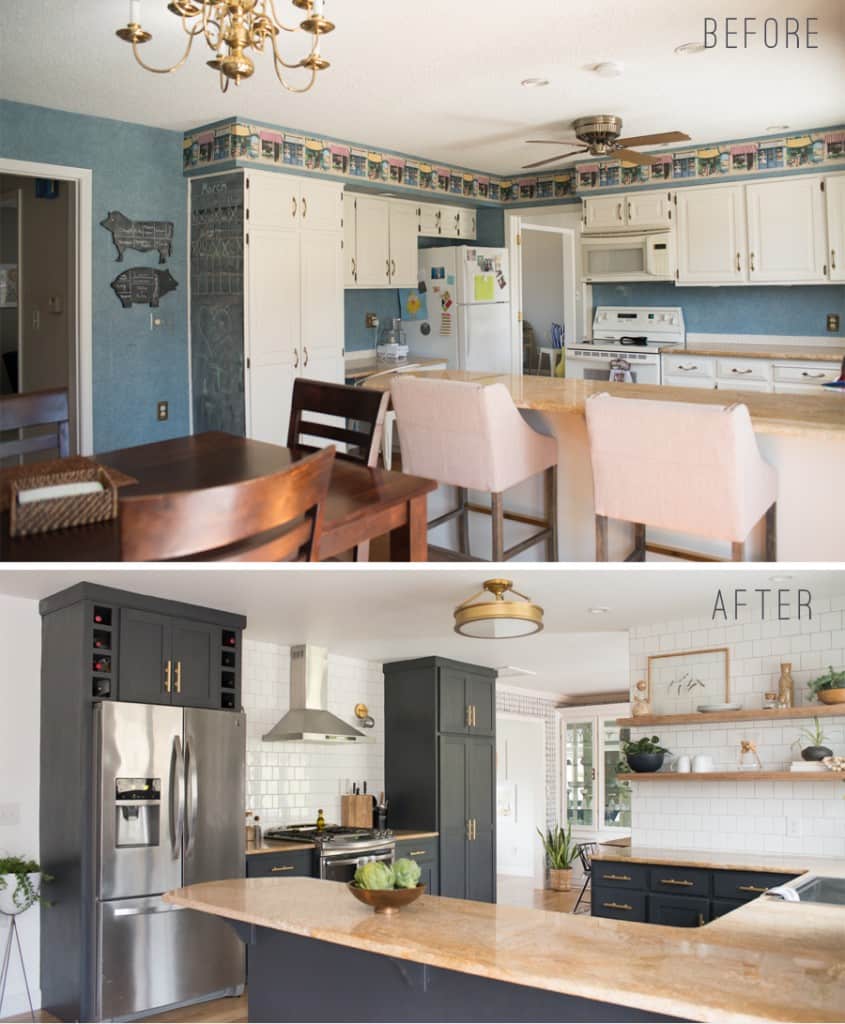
<point x="512" y="702"/>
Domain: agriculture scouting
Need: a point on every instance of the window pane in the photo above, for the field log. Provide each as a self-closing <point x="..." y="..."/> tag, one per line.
<point x="580" y="773"/>
<point x="617" y="795"/>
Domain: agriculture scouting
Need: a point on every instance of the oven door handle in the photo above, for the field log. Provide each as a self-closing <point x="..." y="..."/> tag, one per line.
<point x="342" y="862"/>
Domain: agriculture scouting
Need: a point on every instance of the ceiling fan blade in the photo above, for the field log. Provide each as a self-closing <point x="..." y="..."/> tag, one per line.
<point x="554" y="159"/>
<point x="554" y="142"/>
<point x="653" y="140"/>
<point x="631" y="156"/>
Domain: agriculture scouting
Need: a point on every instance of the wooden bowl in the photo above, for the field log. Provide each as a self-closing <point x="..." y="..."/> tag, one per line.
<point x="386" y="901"/>
<point x="836" y="696"/>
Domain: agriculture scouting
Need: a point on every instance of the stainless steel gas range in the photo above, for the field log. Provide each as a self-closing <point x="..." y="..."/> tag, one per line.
<point x="340" y="850"/>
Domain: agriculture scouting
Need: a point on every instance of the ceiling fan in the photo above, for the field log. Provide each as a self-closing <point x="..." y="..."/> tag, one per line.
<point x="599" y="136"/>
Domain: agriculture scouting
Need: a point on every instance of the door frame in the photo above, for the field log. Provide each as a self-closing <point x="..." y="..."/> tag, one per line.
<point x="82" y="177"/>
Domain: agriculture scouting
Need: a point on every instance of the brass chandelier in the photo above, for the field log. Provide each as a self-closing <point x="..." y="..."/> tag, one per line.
<point x="232" y="28"/>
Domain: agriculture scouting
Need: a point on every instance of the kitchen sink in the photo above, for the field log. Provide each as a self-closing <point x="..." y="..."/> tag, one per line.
<point x="819" y="889"/>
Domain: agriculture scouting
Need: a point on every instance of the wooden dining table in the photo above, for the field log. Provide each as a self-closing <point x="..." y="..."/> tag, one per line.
<point x="362" y="503"/>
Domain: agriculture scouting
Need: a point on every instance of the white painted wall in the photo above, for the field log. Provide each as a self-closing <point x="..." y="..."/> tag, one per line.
<point x="20" y="699"/>
<point x="289" y="782"/>
<point x="542" y="285"/>
<point x="761" y="817"/>
<point x="521" y="797"/>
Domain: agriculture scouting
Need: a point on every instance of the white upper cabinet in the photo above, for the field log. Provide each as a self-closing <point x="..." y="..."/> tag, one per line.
<point x="711" y="242"/>
<point x="436" y="221"/>
<point x="272" y="200"/>
<point x="649" y="210"/>
<point x="403" y="245"/>
<point x="372" y="242"/>
<point x="835" y="194"/>
<point x="787" y="240"/>
<point x="604" y="213"/>
<point x="350" y="241"/>
<point x="429" y="220"/>
<point x="320" y="205"/>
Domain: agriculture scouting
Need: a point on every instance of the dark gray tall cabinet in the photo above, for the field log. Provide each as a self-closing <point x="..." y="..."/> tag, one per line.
<point x="101" y="644"/>
<point x="440" y="765"/>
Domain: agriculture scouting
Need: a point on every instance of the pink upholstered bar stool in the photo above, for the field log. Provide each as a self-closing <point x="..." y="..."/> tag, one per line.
<point x="679" y="466"/>
<point x="472" y="437"/>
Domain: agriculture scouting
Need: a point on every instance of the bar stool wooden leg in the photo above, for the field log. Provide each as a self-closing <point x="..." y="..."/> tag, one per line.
<point x="638" y="554"/>
<point x="463" y="522"/>
<point x="771" y="533"/>
<point x="550" y="482"/>
<point x="738" y="551"/>
<point x="601" y="538"/>
<point x="498" y="517"/>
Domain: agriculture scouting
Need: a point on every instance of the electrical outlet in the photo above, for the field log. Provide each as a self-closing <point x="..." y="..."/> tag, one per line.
<point x="370" y="320"/>
<point x="10" y="814"/>
<point x="156" y="322"/>
<point x="833" y="322"/>
<point x="162" y="411"/>
<point x="794" y="828"/>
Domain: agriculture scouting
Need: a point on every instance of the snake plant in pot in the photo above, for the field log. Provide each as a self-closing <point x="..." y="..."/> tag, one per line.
<point x="20" y="884"/>
<point x="561" y="852"/>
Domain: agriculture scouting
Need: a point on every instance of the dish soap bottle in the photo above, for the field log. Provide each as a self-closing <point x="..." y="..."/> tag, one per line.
<point x="321" y="821"/>
<point x="786" y="686"/>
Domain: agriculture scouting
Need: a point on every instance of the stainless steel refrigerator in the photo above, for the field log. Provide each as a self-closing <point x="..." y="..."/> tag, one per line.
<point x="170" y="785"/>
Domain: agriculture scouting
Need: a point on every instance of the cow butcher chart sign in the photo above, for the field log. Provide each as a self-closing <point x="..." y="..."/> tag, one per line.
<point x="142" y="285"/>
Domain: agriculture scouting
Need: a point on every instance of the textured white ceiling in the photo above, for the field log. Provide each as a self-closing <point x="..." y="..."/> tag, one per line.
<point x="388" y="614"/>
<point x="442" y="79"/>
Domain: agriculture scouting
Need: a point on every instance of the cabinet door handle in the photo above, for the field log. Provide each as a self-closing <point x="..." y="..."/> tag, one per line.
<point x="387" y="268"/>
<point x="751" y="888"/>
<point x="751" y="266"/>
<point x="686" y="369"/>
<point x="418" y="853"/>
<point x="738" y="263"/>
<point x="296" y="359"/>
<point x="818" y="373"/>
<point x="469" y="829"/>
<point x="474" y="721"/>
<point x="305" y="353"/>
<point x="177" y="685"/>
<point x="619" y="211"/>
<point x="468" y="716"/>
<point x="701" y="920"/>
<point x="629" y="210"/>
<point x="676" y="881"/>
<point x="735" y="370"/>
<point x="474" y="830"/>
<point x="393" y="268"/>
<point x="304" y="207"/>
<point x="617" y="878"/>
<point x="354" y="269"/>
<point x="833" y="259"/>
<point x="283" y="867"/>
<point x="293" y="206"/>
<point x="167" y="674"/>
<point x="618" y="906"/>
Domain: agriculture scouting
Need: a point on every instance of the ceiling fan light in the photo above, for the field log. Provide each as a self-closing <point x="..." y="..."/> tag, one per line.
<point x="687" y="49"/>
<point x="534" y="83"/>
<point x="498" y="619"/>
<point x="609" y="69"/>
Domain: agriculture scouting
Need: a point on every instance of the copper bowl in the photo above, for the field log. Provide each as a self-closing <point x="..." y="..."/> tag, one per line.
<point x="386" y="901"/>
<point x="833" y="696"/>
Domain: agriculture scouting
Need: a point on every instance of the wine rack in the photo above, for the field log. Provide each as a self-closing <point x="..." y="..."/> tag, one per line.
<point x="229" y="658"/>
<point x="102" y="652"/>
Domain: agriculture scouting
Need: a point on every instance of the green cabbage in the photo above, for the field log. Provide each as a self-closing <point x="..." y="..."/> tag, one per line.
<point x="375" y="874"/>
<point x="407" y="873"/>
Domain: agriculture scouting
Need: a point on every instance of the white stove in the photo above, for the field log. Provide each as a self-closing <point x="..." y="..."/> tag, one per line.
<point x="626" y="344"/>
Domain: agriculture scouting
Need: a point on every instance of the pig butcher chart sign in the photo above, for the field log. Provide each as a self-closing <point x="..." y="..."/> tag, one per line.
<point x="143" y="285"/>
<point x="141" y="235"/>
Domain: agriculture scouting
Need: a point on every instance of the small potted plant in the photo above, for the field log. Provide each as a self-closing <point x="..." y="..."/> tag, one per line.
<point x="816" y="751"/>
<point x="829" y="688"/>
<point x="645" y="754"/>
<point x="20" y="884"/>
<point x="561" y="852"/>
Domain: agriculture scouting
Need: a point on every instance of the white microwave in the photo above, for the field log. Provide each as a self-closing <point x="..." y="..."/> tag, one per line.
<point x="644" y="257"/>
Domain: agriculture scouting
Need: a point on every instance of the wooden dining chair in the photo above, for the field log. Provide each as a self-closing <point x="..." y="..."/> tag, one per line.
<point x="274" y="518"/>
<point x="36" y="409"/>
<point x="364" y="415"/>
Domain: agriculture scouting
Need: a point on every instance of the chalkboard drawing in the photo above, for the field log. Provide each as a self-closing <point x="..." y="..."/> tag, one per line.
<point x="141" y="235"/>
<point x="143" y="285"/>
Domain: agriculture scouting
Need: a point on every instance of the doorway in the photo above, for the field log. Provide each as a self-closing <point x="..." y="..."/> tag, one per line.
<point x="45" y="335"/>
<point x="520" y="798"/>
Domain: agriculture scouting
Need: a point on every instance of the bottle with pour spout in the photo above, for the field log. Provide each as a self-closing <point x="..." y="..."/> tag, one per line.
<point x="321" y="821"/>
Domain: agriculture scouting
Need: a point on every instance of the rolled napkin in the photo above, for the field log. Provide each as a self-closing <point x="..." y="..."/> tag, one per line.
<point x="59" y="491"/>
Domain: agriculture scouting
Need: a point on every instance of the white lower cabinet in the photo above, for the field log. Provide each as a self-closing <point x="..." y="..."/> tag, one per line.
<point x="688" y="371"/>
<point x="294" y="295"/>
<point x="744" y="374"/>
<point x="803" y="378"/>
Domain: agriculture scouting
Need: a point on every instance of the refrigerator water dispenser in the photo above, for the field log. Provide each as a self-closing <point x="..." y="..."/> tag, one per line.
<point x="137" y="812"/>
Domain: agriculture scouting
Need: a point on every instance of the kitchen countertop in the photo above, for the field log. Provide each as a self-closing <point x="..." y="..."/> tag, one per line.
<point x="788" y="863"/>
<point x="357" y="369"/>
<point x="284" y="846"/>
<point x="767" y="961"/>
<point x="767" y="350"/>
<point x="818" y="416"/>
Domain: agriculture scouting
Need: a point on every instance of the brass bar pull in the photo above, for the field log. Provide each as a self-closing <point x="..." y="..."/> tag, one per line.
<point x="167" y="673"/>
<point x="617" y="878"/>
<point x="469" y="829"/>
<point x="676" y="881"/>
<point x="701" y="920"/>
<point x="474" y="830"/>
<point x="474" y="722"/>
<point x="283" y="867"/>
<point x="618" y="906"/>
<point x="177" y="686"/>
<point x="418" y="853"/>
<point x="468" y="716"/>
<point x="751" y="888"/>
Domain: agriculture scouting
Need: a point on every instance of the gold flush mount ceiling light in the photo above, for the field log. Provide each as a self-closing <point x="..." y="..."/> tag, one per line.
<point x="234" y="29"/>
<point x="498" y="619"/>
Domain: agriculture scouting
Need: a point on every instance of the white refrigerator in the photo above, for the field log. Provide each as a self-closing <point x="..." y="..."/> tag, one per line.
<point x="465" y="319"/>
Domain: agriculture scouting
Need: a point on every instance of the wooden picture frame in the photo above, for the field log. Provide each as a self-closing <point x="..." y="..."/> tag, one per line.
<point x="680" y="681"/>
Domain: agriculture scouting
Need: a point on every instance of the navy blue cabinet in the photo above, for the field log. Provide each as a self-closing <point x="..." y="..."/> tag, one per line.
<point x="291" y="864"/>
<point x="426" y="853"/>
<point x="673" y="894"/>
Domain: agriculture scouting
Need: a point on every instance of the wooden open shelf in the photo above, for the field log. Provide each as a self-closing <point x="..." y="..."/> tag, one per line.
<point x="748" y="776"/>
<point x="759" y="715"/>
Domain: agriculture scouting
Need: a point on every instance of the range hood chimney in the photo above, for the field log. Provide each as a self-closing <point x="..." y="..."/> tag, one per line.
<point x="308" y="719"/>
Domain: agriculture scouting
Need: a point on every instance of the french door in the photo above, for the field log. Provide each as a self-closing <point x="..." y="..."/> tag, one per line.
<point x="593" y="802"/>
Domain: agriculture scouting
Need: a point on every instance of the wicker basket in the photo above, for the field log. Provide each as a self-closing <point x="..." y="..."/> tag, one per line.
<point x="60" y="513"/>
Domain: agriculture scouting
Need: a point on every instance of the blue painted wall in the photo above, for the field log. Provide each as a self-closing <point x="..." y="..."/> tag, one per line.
<point x="137" y="170"/>
<point x="749" y="309"/>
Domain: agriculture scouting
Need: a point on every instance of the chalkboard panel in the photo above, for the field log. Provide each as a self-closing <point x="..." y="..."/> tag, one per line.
<point x="217" y="303"/>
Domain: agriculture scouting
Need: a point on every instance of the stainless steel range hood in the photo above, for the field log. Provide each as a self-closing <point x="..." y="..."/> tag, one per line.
<point x="309" y="719"/>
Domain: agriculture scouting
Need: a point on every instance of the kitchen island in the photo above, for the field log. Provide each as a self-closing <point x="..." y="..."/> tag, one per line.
<point x="315" y="953"/>
<point x="801" y="436"/>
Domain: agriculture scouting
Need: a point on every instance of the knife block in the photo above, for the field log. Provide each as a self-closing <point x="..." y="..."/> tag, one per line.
<point x="356" y="811"/>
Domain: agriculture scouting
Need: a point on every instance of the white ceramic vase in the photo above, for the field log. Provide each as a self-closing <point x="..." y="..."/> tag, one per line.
<point x="13" y="898"/>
